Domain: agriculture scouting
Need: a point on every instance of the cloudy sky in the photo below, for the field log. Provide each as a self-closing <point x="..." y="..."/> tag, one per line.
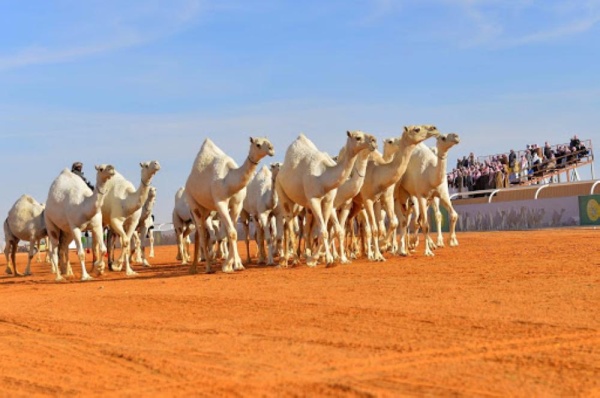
<point x="122" y="82"/>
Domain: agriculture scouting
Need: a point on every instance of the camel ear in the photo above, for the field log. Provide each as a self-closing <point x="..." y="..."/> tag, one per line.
<point x="251" y="140"/>
<point x="144" y="164"/>
<point x="349" y="133"/>
<point x="405" y="129"/>
<point x="97" y="168"/>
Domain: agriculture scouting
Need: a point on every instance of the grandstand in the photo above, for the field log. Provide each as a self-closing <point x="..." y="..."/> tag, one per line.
<point x="564" y="164"/>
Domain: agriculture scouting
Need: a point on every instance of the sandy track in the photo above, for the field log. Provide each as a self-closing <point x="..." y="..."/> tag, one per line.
<point x="506" y="313"/>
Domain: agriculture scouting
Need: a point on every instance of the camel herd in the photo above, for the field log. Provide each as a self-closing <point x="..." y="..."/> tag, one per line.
<point x="339" y="207"/>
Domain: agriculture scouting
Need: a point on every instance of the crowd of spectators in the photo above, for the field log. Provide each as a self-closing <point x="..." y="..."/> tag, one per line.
<point x="513" y="168"/>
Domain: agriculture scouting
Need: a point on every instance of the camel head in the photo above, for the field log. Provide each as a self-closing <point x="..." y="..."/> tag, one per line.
<point x="419" y="133"/>
<point x="443" y="144"/>
<point x="104" y="172"/>
<point x="259" y="148"/>
<point x="151" y="194"/>
<point x="275" y="167"/>
<point x="148" y="170"/>
<point x="359" y="140"/>
<point x="390" y="145"/>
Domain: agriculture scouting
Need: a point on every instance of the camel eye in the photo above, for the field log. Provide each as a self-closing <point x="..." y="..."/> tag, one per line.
<point x="257" y="145"/>
<point x="417" y="129"/>
<point x="359" y="139"/>
<point x="443" y="138"/>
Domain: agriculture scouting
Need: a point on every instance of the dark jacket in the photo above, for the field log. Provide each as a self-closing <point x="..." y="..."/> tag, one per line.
<point x="80" y="174"/>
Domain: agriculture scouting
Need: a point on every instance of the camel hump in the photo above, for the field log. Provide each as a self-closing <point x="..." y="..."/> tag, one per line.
<point x="209" y="147"/>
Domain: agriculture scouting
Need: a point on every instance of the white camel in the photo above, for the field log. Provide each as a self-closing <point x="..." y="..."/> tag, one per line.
<point x="308" y="178"/>
<point x="122" y="209"/>
<point x="342" y="203"/>
<point x="143" y="231"/>
<point x="25" y="221"/>
<point x="380" y="176"/>
<point x="424" y="179"/>
<point x="183" y="225"/>
<point x="261" y="199"/>
<point x="216" y="183"/>
<point x="73" y="207"/>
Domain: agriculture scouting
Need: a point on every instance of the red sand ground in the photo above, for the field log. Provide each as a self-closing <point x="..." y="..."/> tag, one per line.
<point x="504" y="314"/>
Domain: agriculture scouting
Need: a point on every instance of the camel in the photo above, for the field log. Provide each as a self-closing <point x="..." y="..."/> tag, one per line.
<point x="309" y="178"/>
<point x="143" y="230"/>
<point x="261" y="199"/>
<point x="122" y="209"/>
<point x="73" y="207"/>
<point x="342" y="203"/>
<point x="381" y="175"/>
<point x="25" y="221"/>
<point x="426" y="177"/>
<point x="216" y="183"/>
<point x="183" y="225"/>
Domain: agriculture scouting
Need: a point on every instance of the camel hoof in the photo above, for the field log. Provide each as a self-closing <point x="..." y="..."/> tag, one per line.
<point x="86" y="278"/>
<point x="146" y="264"/>
<point x="193" y="271"/>
<point x="227" y="270"/>
<point x="131" y="273"/>
<point x="8" y="271"/>
<point x="60" y="279"/>
<point x="239" y="267"/>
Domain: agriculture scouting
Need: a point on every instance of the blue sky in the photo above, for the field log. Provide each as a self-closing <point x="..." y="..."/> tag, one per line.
<point x="123" y="82"/>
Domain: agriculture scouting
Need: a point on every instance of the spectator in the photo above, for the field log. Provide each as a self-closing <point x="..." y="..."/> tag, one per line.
<point x="524" y="168"/>
<point x="575" y="142"/>
<point x="547" y="150"/>
<point x="77" y="168"/>
<point x="536" y="164"/>
<point x="512" y="162"/>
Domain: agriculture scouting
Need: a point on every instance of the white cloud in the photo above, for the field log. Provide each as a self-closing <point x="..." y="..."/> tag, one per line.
<point x="504" y="24"/>
<point x="115" y="28"/>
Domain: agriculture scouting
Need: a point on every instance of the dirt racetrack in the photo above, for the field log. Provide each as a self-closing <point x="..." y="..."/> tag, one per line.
<point x="503" y="314"/>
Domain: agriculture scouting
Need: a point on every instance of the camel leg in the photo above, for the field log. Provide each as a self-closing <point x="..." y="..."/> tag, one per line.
<point x="438" y="221"/>
<point x="234" y="215"/>
<point x="366" y="235"/>
<point x="53" y="238"/>
<point x="453" y="219"/>
<point x="142" y="238"/>
<point x="12" y="265"/>
<point x="186" y="245"/>
<point x="265" y="238"/>
<point x="110" y="248"/>
<point x="33" y="249"/>
<point x="375" y="233"/>
<point x="320" y="217"/>
<point x="393" y="221"/>
<point x="340" y="232"/>
<point x="99" y="249"/>
<point x="193" y="268"/>
<point x="230" y="264"/>
<point x="424" y="223"/>
<point x="117" y="227"/>
<point x="245" y="217"/>
<point x="151" y="243"/>
<point x="403" y="228"/>
<point x="81" y="254"/>
<point x="180" y="246"/>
